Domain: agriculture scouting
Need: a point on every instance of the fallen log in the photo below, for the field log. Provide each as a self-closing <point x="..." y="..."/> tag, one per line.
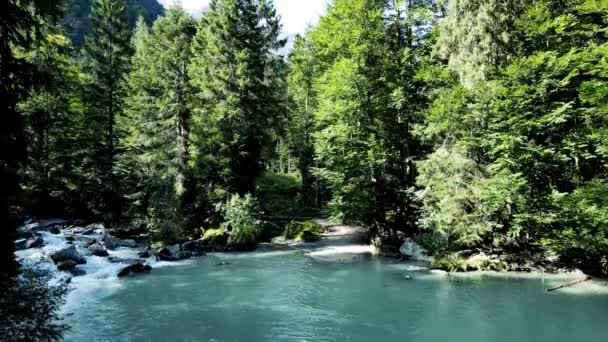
<point x="569" y="284"/>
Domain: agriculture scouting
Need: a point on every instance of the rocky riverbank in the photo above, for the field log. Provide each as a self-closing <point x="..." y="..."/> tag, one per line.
<point x="94" y="250"/>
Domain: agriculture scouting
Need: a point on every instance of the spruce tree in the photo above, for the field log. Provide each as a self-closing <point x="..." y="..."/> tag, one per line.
<point x="238" y="80"/>
<point x="106" y="59"/>
<point x="157" y="123"/>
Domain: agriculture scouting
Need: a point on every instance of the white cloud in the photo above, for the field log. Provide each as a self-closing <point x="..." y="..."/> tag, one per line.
<point x="295" y="14"/>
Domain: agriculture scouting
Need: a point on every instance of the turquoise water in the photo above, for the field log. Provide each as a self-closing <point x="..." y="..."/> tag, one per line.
<point x="288" y="296"/>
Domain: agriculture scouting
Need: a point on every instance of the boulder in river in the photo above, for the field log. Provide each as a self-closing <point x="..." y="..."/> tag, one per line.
<point x="110" y="242"/>
<point x="134" y="268"/>
<point x="68" y="253"/>
<point x="195" y="247"/>
<point x="20" y="244"/>
<point x="98" y="250"/>
<point x="67" y="264"/>
<point x="35" y="242"/>
<point x="77" y="272"/>
<point x="84" y="241"/>
<point x="168" y="253"/>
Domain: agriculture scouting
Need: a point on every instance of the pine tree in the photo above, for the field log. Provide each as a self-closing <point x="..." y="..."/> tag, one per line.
<point x="476" y="37"/>
<point x="302" y="107"/>
<point x="106" y="56"/>
<point x="18" y="21"/>
<point x="158" y="122"/>
<point x="238" y="78"/>
<point x="53" y="115"/>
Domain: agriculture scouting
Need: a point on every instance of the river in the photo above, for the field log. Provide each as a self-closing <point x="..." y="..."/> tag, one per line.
<point x="293" y="296"/>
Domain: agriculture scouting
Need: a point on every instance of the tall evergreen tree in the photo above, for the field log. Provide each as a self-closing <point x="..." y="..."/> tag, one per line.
<point x="19" y="20"/>
<point x="106" y="56"/>
<point x="475" y="37"/>
<point x="301" y="112"/>
<point x="238" y="78"/>
<point x="158" y="122"/>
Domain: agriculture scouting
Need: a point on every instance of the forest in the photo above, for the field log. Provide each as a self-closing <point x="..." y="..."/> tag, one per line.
<point x="461" y="124"/>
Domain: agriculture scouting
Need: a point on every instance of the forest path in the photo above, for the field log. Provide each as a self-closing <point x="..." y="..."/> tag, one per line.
<point x="340" y="242"/>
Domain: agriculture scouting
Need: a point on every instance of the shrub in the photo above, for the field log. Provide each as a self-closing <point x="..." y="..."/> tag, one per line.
<point x="450" y="263"/>
<point x="295" y="228"/>
<point x="280" y="194"/>
<point x="308" y="235"/>
<point x="215" y="237"/>
<point x="240" y="218"/>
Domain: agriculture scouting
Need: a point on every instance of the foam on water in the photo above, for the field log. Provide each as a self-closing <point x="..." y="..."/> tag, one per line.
<point x="348" y="249"/>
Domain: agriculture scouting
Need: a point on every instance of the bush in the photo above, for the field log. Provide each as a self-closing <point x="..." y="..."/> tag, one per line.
<point x="308" y="235"/>
<point x="30" y="308"/>
<point x="215" y="237"/>
<point x="450" y="263"/>
<point x="295" y="228"/>
<point x="240" y="219"/>
<point x="280" y="194"/>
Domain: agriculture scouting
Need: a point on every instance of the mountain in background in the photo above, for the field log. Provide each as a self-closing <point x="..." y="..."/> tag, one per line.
<point x="77" y="22"/>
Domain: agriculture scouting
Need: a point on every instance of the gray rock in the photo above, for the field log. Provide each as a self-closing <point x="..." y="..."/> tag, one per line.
<point x="68" y="253"/>
<point x="98" y="250"/>
<point x="20" y="244"/>
<point x="134" y="268"/>
<point x="127" y="243"/>
<point x="77" y="272"/>
<point x="54" y="230"/>
<point x="144" y="254"/>
<point x="110" y="242"/>
<point x="168" y="253"/>
<point x="36" y="242"/>
<point x="66" y="265"/>
<point x="89" y="231"/>
<point x="84" y="241"/>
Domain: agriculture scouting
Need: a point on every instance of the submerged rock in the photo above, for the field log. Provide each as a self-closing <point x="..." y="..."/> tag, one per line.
<point x="36" y="242"/>
<point x="68" y="253"/>
<point x="134" y="268"/>
<point x="84" y="241"/>
<point x="110" y="242"/>
<point x="20" y="244"/>
<point x="77" y="272"/>
<point x="196" y="247"/>
<point x="98" y="250"/>
<point x="66" y="265"/>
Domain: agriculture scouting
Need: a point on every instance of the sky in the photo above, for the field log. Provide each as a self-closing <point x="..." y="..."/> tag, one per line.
<point x="295" y="14"/>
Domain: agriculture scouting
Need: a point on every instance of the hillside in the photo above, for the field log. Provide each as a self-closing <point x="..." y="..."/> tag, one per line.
<point x="77" y="23"/>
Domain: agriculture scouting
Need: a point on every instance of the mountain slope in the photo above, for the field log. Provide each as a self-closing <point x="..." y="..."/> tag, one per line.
<point x="76" y="20"/>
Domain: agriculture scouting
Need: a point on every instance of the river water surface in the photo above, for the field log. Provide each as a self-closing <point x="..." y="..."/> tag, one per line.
<point x="290" y="296"/>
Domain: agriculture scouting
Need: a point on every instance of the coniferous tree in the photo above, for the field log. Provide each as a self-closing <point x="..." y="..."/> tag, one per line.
<point x="301" y="108"/>
<point x="238" y="78"/>
<point x="158" y="122"/>
<point x="18" y="21"/>
<point x="475" y="37"/>
<point x="106" y="60"/>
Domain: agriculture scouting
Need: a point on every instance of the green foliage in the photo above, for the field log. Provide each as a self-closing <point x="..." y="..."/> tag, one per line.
<point x="307" y="235"/>
<point x="106" y="56"/>
<point x="450" y="263"/>
<point x="240" y="219"/>
<point x="154" y="162"/>
<point x="77" y="23"/>
<point x="216" y="237"/>
<point x="294" y="230"/>
<point x="30" y="308"/>
<point x="238" y="82"/>
<point x="279" y="194"/>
